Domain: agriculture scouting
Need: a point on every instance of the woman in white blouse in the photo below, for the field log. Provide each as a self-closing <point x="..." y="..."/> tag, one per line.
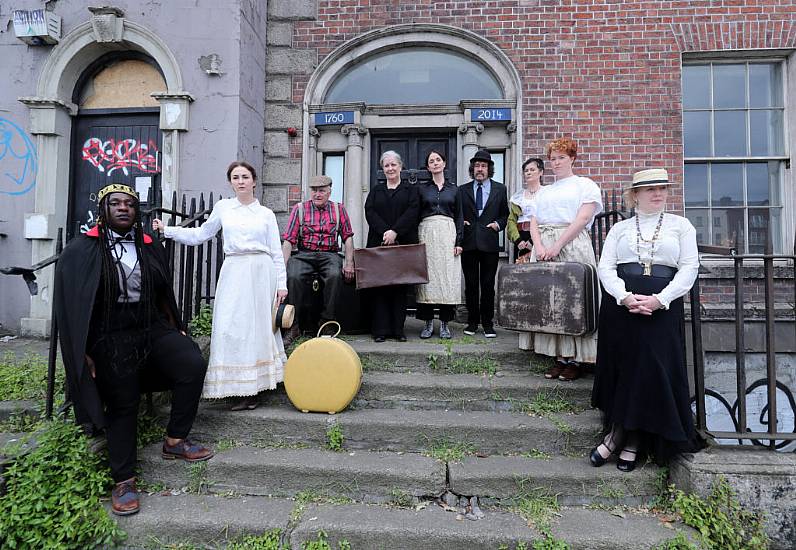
<point x="560" y="220"/>
<point x="648" y="263"/>
<point x="246" y="355"/>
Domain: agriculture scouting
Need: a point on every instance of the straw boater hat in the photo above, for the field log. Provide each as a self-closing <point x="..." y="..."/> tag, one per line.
<point x="282" y="316"/>
<point x="650" y="178"/>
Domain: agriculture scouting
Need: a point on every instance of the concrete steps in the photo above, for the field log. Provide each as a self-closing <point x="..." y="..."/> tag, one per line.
<point x="506" y="392"/>
<point x="384" y="477"/>
<point x="405" y="430"/>
<point x="210" y="521"/>
<point x="477" y="419"/>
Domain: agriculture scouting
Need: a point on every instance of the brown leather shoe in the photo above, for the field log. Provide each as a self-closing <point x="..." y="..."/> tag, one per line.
<point x="186" y="450"/>
<point x="571" y="372"/>
<point x="124" y="498"/>
<point x="554" y="371"/>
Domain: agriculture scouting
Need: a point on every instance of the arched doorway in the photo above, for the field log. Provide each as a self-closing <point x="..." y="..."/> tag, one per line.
<point x="52" y="108"/>
<point x="115" y="135"/>
<point x="409" y="87"/>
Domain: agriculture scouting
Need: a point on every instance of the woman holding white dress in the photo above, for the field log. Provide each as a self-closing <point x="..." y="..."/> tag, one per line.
<point x="246" y="355"/>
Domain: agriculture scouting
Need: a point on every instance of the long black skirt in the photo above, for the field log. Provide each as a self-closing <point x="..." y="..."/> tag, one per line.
<point x="640" y="380"/>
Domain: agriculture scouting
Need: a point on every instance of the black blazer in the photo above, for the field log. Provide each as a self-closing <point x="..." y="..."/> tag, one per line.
<point x="477" y="236"/>
<point x="399" y="212"/>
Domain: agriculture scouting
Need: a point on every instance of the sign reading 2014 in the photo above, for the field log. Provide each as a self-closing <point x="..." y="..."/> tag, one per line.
<point x="490" y="114"/>
<point x="334" y="117"/>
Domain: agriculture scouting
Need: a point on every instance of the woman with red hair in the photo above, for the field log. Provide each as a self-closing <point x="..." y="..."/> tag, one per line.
<point x="560" y="222"/>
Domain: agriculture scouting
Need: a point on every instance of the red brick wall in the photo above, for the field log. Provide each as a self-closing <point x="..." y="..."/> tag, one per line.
<point x="606" y="73"/>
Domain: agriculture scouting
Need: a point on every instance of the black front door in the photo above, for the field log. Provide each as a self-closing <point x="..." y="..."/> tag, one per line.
<point x="112" y="148"/>
<point x="413" y="148"/>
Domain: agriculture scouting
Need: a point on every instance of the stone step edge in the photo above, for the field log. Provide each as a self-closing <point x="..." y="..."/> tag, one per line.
<point x="412" y="430"/>
<point x="212" y="519"/>
<point x="384" y="477"/>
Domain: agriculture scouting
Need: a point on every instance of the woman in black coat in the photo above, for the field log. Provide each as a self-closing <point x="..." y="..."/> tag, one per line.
<point x="392" y="213"/>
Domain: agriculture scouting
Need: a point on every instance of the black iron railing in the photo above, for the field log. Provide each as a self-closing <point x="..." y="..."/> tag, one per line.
<point x="742" y="431"/>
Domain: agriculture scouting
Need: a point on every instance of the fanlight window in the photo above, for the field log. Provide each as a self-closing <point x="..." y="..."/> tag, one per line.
<point x="415" y="75"/>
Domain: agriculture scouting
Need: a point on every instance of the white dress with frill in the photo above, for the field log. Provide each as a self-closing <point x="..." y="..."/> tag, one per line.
<point x="246" y="355"/>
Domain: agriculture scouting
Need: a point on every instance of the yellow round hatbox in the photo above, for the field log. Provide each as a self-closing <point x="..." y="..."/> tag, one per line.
<point x="323" y="374"/>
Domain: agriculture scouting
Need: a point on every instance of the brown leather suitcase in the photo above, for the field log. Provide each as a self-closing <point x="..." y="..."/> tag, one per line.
<point x="403" y="264"/>
<point x="549" y="297"/>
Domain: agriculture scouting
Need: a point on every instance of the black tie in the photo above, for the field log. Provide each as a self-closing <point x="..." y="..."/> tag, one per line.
<point x="479" y="198"/>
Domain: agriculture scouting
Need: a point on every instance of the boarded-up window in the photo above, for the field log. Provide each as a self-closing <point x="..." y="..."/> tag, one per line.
<point x="126" y="83"/>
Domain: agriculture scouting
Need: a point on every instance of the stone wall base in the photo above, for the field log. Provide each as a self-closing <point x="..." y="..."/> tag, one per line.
<point x="764" y="481"/>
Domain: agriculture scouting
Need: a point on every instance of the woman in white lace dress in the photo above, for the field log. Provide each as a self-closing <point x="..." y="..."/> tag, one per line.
<point x="246" y="355"/>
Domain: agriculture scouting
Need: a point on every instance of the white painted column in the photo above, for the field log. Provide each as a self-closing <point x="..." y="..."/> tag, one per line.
<point x="355" y="182"/>
<point x="470" y="131"/>
<point x="51" y="123"/>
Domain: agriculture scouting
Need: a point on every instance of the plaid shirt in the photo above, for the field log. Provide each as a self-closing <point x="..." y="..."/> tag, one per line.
<point x="317" y="231"/>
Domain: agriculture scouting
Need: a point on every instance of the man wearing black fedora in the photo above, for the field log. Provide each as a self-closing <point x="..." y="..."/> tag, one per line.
<point x="486" y="211"/>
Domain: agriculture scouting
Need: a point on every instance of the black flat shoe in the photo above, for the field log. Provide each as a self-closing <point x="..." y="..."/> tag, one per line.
<point x="596" y="458"/>
<point x="378" y="339"/>
<point x="626" y="465"/>
<point x="401" y="338"/>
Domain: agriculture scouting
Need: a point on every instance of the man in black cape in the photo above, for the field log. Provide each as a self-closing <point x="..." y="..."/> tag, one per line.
<point x="120" y="335"/>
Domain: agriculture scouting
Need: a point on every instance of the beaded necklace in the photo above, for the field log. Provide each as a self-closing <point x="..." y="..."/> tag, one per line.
<point x="639" y="239"/>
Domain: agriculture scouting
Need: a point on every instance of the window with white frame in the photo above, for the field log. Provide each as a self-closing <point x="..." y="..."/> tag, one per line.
<point x="735" y="151"/>
<point x="334" y="167"/>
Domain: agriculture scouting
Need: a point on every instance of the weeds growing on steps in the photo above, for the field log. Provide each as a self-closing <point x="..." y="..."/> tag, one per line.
<point x="720" y="519"/>
<point x="53" y="494"/>
<point x="334" y="437"/>
<point x="448" y="450"/>
<point x="26" y="377"/>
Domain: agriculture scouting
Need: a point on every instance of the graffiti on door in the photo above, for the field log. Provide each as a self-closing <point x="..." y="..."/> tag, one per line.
<point x="125" y="154"/>
<point x="723" y="416"/>
<point x="18" y="160"/>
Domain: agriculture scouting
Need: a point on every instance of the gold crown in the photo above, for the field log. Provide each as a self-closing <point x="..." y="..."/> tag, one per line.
<point x="116" y="188"/>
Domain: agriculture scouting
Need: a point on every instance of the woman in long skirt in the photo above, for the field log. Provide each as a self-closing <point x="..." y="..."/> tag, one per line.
<point x="562" y="216"/>
<point x="441" y="228"/>
<point x="246" y="355"/>
<point x="648" y="263"/>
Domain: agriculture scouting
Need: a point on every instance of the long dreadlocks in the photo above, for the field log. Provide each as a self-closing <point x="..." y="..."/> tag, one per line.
<point x="112" y="271"/>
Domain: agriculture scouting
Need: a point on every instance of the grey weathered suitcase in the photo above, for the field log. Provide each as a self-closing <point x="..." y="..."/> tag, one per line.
<point x="549" y="297"/>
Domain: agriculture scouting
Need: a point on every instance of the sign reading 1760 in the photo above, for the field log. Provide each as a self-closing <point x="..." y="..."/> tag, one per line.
<point x="490" y="114"/>
<point x="334" y="117"/>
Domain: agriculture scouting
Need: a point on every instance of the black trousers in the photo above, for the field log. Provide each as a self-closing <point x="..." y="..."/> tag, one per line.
<point x="125" y="365"/>
<point x="479" y="270"/>
<point x="388" y="310"/>
<point x="327" y="265"/>
<point x="425" y="312"/>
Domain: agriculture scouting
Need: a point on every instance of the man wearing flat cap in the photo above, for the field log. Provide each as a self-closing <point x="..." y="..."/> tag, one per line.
<point x="313" y="228"/>
<point x="121" y="334"/>
<point x="486" y="211"/>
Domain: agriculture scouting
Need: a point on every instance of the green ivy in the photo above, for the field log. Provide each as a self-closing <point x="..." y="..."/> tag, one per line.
<point x="53" y="495"/>
<point x="721" y="521"/>
<point x="202" y="322"/>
